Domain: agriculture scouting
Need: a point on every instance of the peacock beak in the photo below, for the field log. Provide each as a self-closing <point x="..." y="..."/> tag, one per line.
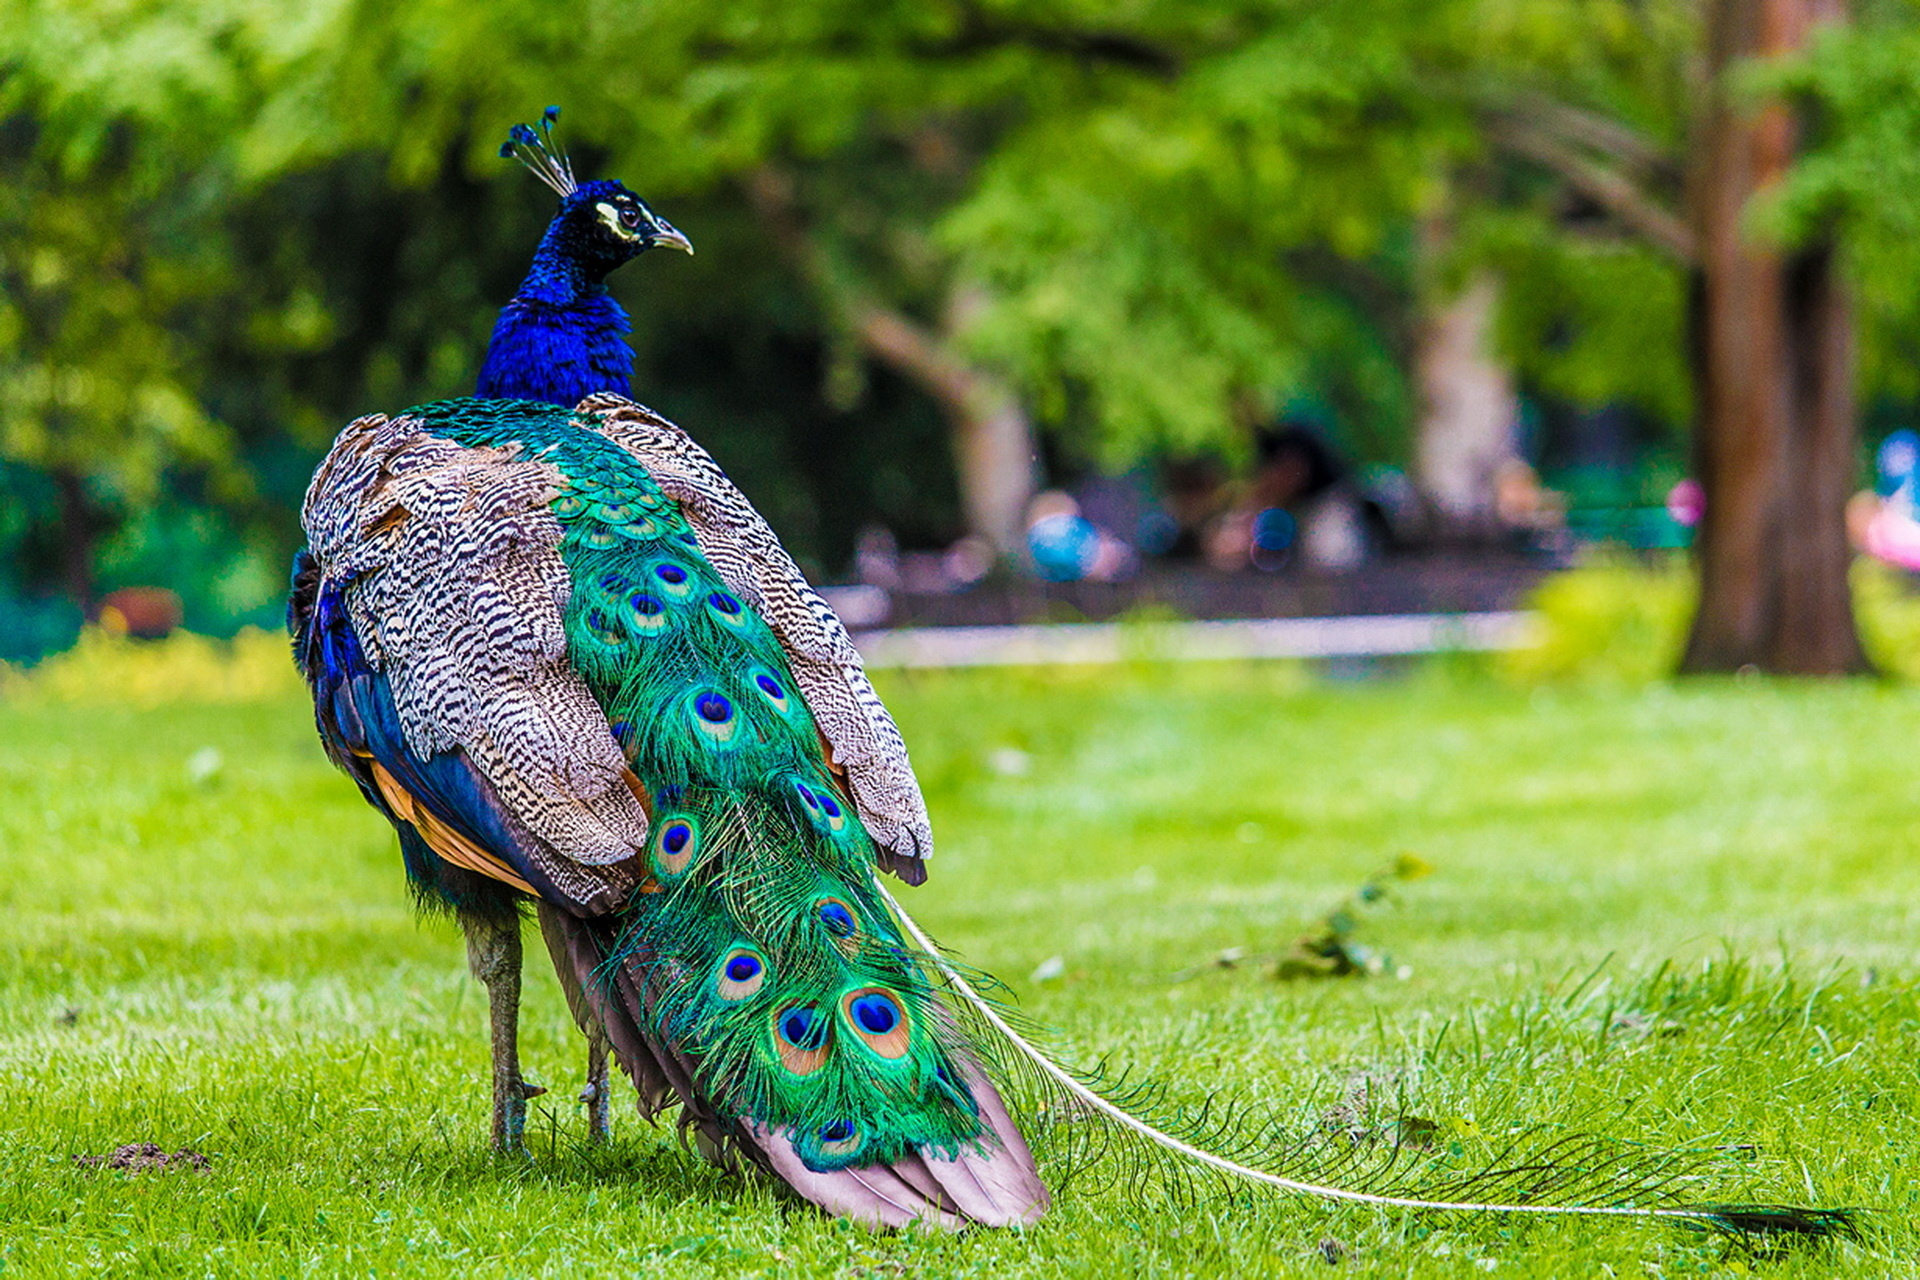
<point x="666" y="236"/>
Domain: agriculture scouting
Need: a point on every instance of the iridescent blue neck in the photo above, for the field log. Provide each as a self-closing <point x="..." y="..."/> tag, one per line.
<point x="562" y="338"/>
<point x="556" y="276"/>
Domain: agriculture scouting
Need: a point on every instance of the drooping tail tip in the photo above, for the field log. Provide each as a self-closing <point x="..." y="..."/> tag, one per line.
<point x="1779" y="1223"/>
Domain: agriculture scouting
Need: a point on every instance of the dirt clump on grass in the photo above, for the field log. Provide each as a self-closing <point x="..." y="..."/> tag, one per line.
<point x="144" y="1157"/>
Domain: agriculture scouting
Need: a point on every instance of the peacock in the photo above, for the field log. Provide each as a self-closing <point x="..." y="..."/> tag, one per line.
<point x="568" y="661"/>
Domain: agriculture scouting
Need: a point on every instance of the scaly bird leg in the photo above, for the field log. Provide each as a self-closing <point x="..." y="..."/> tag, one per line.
<point x="599" y="1101"/>
<point x="554" y="927"/>
<point x="493" y="954"/>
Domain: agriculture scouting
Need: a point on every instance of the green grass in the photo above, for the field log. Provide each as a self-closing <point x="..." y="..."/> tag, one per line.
<point x="223" y="958"/>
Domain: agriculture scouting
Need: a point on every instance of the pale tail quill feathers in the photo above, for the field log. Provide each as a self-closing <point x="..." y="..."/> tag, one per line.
<point x="1560" y="1176"/>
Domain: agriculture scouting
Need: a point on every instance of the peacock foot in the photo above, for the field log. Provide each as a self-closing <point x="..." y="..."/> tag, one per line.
<point x="595" y="1095"/>
<point x="510" y="1115"/>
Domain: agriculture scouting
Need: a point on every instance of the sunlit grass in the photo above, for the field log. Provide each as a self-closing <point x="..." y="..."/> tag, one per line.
<point x="206" y="944"/>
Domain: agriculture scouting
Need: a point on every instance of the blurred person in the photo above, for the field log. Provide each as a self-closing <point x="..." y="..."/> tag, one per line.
<point x="1530" y="515"/>
<point x="1687" y="503"/>
<point x="1194" y="493"/>
<point x="1888" y="528"/>
<point x="1068" y="547"/>
<point x="1299" y="505"/>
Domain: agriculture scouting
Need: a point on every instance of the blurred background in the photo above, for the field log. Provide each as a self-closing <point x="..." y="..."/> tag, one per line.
<point x="1009" y="311"/>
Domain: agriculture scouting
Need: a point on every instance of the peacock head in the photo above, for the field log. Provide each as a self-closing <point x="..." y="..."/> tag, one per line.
<point x="600" y="225"/>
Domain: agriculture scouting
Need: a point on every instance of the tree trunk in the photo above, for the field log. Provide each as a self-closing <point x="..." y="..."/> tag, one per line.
<point x="76" y="538"/>
<point x="1468" y="411"/>
<point x="993" y="445"/>
<point x="1773" y="368"/>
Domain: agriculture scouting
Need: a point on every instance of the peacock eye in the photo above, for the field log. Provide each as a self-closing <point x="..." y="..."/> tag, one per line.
<point x="630" y="217"/>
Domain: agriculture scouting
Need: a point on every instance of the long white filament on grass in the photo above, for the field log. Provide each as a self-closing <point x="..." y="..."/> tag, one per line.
<point x="1120" y="1116"/>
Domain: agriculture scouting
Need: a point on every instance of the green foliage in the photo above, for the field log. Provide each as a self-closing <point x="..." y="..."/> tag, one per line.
<point x="229" y="228"/>
<point x="1589" y="321"/>
<point x="1612" y="622"/>
<point x="1862" y="176"/>
<point x="1623" y="622"/>
<point x="108" y="670"/>
<point x="225" y="959"/>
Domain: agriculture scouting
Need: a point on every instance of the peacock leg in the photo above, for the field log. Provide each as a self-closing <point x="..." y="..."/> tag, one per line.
<point x="493" y="955"/>
<point x="555" y="927"/>
<point x="595" y="1095"/>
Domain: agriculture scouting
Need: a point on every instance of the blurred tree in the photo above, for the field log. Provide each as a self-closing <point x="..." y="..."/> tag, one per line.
<point x="1774" y="358"/>
<point x="98" y="389"/>
<point x="1769" y="330"/>
<point x="1140" y="229"/>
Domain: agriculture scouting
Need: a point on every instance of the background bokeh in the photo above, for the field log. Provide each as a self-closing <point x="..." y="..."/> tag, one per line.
<point x="1148" y="230"/>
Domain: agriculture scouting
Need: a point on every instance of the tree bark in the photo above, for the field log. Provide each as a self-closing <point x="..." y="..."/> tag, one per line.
<point x="1468" y="410"/>
<point x="1773" y="367"/>
<point x="76" y="538"/>
<point x="993" y="448"/>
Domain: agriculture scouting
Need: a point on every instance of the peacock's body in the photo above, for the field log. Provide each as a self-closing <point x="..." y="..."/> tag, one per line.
<point x="564" y="656"/>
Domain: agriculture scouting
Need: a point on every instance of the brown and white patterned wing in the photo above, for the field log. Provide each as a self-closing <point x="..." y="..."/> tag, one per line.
<point x="861" y="737"/>
<point x="456" y="591"/>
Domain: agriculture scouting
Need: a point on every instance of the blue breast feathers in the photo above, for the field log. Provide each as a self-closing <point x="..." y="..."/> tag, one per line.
<point x="558" y="353"/>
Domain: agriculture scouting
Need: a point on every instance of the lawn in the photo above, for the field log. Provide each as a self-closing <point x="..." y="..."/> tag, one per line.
<point x="1684" y="915"/>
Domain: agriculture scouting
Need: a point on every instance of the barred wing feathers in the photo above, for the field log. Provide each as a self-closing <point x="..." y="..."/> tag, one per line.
<point x="442" y="566"/>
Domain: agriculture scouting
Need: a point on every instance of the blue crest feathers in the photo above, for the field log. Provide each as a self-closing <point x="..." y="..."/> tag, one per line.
<point x="544" y="159"/>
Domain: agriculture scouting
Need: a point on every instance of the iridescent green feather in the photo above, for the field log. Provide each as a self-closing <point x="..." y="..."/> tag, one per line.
<point x="780" y="969"/>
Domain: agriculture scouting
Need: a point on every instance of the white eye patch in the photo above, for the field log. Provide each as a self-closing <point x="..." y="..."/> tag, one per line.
<point x="611" y="216"/>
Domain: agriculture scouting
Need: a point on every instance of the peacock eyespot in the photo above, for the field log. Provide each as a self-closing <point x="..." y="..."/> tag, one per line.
<point x="671" y="574"/>
<point x="724" y="603"/>
<point x="615" y="512"/>
<point x="879" y="1022"/>
<point x="604" y="629"/>
<point x="802" y="1027"/>
<point x="771" y="687"/>
<point x="876" y="1014"/>
<point x="599" y="538"/>
<point x="674" y="848"/>
<point x="742" y="972"/>
<point x="647" y="614"/>
<point x="826" y="811"/>
<point x="834" y="1145"/>
<point x="568" y="505"/>
<point x="838" y="918"/>
<point x="714" y="708"/>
